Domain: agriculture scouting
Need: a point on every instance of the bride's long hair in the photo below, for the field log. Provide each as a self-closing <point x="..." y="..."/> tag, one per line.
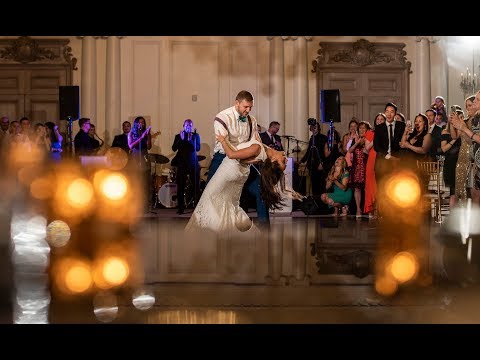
<point x="272" y="185"/>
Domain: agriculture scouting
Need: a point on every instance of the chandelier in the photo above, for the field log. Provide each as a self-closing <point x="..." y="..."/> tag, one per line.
<point x="468" y="83"/>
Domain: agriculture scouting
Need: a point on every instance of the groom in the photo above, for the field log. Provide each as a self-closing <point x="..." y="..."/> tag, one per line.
<point x="236" y="123"/>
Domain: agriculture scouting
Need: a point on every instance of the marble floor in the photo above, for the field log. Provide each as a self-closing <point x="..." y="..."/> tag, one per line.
<point x="193" y="301"/>
<point x="282" y="283"/>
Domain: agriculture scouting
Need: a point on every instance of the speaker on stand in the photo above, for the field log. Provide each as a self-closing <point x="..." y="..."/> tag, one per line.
<point x="69" y="102"/>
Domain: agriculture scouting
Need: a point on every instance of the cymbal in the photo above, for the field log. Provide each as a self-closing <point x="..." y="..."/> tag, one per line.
<point x="201" y="157"/>
<point x="159" y="159"/>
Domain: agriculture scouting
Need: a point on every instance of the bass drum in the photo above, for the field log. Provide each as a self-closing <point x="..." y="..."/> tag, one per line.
<point x="167" y="195"/>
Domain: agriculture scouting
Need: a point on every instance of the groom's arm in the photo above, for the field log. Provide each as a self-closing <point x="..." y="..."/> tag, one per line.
<point x="219" y="127"/>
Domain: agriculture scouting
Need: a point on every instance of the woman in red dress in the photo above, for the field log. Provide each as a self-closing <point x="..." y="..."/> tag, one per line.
<point x="370" y="183"/>
<point x="359" y="164"/>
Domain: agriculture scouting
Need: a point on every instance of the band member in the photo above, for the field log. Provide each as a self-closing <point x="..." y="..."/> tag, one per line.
<point x="97" y="142"/>
<point x="271" y="138"/>
<point x="139" y="142"/>
<point x="121" y="140"/>
<point x="187" y="143"/>
<point x="82" y="142"/>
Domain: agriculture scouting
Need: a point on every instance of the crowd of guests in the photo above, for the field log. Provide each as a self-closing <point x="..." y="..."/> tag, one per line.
<point x="45" y="138"/>
<point x="345" y="170"/>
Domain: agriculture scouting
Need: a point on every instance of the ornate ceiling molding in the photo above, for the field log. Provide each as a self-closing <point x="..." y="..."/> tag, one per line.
<point x="26" y="50"/>
<point x="362" y="53"/>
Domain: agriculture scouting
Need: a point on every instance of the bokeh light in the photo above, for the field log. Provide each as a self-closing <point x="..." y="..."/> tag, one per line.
<point x="114" y="186"/>
<point x="58" y="233"/>
<point x="105" y="306"/>
<point x="385" y="285"/>
<point x="143" y="299"/>
<point x="117" y="158"/>
<point x="403" y="189"/>
<point x="403" y="267"/>
<point x="78" y="278"/>
<point x="115" y="271"/>
<point x="80" y="193"/>
<point x="42" y="188"/>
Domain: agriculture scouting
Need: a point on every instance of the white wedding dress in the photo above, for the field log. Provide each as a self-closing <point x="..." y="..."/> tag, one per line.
<point x="219" y="206"/>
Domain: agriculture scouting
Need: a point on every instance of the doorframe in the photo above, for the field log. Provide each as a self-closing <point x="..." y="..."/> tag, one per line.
<point x="363" y="56"/>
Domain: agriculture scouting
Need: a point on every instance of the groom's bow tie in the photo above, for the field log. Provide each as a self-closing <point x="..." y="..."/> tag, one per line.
<point x="242" y="118"/>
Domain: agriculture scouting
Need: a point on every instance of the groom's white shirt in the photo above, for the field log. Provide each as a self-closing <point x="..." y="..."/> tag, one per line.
<point x="238" y="131"/>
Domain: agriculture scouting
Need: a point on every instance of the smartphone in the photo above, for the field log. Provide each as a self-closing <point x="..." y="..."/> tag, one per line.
<point x="409" y="126"/>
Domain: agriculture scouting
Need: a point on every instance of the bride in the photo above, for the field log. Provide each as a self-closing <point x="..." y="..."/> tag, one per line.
<point x="219" y="206"/>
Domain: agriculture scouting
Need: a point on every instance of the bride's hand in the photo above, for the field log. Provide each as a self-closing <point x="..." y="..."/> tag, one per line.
<point x="220" y="137"/>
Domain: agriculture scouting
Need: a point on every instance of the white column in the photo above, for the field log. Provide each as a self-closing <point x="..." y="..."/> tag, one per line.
<point x="424" y="95"/>
<point x="277" y="80"/>
<point x="300" y="95"/>
<point x="88" y="86"/>
<point x="439" y="68"/>
<point x="112" y="89"/>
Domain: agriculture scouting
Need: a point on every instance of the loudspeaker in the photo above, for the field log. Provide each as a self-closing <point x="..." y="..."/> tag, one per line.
<point x="68" y="98"/>
<point x="330" y="106"/>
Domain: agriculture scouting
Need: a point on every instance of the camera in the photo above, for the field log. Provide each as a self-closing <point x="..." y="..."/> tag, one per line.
<point x="311" y="121"/>
<point x="453" y="108"/>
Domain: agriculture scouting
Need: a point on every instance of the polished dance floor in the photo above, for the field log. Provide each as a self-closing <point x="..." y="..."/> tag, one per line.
<point x="299" y="275"/>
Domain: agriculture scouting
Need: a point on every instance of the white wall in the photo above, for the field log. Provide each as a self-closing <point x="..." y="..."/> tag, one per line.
<point x="159" y="76"/>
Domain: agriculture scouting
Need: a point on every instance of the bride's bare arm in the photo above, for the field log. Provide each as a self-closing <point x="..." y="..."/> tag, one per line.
<point x="247" y="153"/>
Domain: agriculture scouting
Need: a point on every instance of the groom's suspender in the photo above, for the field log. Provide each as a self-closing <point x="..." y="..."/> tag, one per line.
<point x="226" y="128"/>
<point x="221" y="122"/>
<point x="250" y="125"/>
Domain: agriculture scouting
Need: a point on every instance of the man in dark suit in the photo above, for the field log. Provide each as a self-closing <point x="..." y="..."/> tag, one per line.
<point x="315" y="160"/>
<point x="270" y="137"/>
<point x="187" y="142"/>
<point x="436" y="132"/>
<point x="387" y="142"/>
<point x="121" y="140"/>
<point x="82" y="142"/>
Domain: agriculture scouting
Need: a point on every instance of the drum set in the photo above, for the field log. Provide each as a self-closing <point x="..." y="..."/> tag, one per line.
<point x="164" y="186"/>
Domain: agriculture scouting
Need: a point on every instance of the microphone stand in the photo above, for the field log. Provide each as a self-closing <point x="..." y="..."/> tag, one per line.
<point x="194" y="135"/>
<point x="71" y="145"/>
<point x="297" y="150"/>
<point x="331" y="136"/>
<point x="140" y="164"/>
<point x="313" y="147"/>
<point x="288" y="137"/>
